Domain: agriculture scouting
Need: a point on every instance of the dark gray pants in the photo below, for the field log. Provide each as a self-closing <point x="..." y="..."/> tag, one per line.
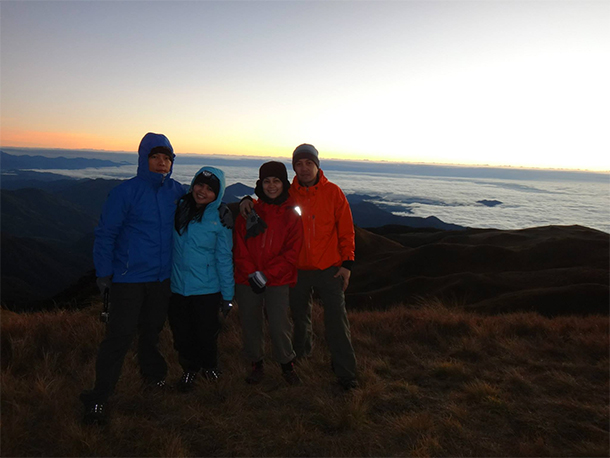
<point x="336" y="325"/>
<point x="275" y="302"/>
<point x="135" y="308"/>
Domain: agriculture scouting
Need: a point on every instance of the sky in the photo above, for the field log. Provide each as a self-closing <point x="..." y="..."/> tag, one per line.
<point x="487" y="82"/>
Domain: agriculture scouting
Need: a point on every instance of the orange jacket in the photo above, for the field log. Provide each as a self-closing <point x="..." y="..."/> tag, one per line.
<point x="328" y="235"/>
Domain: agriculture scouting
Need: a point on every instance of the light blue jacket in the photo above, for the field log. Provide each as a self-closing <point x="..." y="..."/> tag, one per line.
<point x="203" y="259"/>
<point x="133" y="239"/>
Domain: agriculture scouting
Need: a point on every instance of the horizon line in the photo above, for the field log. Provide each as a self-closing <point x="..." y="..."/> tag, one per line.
<point x="378" y="161"/>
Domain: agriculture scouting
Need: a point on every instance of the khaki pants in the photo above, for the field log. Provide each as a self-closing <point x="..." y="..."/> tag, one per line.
<point x="275" y="302"/>
<point x="336" y="325"/>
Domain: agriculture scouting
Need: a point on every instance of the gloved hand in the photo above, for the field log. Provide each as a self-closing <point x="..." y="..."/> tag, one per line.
<point x="254" y="225"/>
<point x="257" y="281"/>
<point x="226" y="217"/>
<point x="246" y="204"/>
<point x="104" y="283"/>
<point x="225" y="307"/>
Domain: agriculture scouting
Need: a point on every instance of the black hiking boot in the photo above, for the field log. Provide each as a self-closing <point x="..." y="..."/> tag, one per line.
<point x="187" y="382"/>
<point x="95" y="414"/>
<point x="289" y="374"/>
<point x="348" y="383"/>
<point x="257" y="373"/>
<point x="213" y="375"/>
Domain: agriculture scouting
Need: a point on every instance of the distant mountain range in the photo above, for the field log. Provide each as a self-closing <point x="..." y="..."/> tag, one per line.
<point x="47" y="238"/>
<point x="11" y="162"/>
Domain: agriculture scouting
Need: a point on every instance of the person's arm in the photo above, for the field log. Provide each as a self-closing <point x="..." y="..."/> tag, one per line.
<point x="346" y="236"/>
<point x="285" y="261"/>
<point x="246" y="204"/>
<point x="241" y="254"/>
<point x="224" y="263"/>
<point x="111" y="222"/>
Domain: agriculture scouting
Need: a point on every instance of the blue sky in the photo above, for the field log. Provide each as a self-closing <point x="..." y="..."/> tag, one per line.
<point x="512" y="83"/>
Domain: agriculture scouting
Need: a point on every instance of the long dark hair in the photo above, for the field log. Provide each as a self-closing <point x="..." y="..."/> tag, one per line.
<point x="186" y="212"/>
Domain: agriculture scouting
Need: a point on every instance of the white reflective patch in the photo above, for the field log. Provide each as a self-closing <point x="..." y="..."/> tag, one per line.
<point x="298" y="210"/>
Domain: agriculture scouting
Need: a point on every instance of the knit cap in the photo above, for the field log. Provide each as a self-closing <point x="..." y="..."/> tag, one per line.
<point x="210" y="179"/>
<point x="272" y="169"/>
<point x="305" y="151"/>
<point x="162" y="150"/>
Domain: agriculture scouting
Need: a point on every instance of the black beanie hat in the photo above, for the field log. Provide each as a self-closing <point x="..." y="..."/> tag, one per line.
<point x="305" y="151"/>
<point x="162" y="150"/>
<point x="272" y="169"/>
<point x="207" y="177"/>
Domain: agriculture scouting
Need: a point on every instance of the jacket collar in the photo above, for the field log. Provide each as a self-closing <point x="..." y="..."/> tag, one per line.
<point x="322" y="180"/>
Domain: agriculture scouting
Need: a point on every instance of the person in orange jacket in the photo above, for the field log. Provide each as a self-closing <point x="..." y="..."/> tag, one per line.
<point x="324" y="263"/>
<point x="265" y="250"/>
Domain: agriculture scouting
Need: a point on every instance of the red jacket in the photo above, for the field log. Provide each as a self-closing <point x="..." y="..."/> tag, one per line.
<point x="328" y="237"/>
<point x="275" y="251"/>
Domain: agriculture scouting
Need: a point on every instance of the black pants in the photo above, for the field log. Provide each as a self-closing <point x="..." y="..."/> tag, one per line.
<point x="135" y="308"/>
<point x="195" y="326"/>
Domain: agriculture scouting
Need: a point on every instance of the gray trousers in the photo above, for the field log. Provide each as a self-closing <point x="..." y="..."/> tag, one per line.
<point x="336" y="325"/>
<point x="275" y="302"/>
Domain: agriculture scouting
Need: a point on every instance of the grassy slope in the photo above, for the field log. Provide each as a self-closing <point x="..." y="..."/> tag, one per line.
<point x="435" y="382"/>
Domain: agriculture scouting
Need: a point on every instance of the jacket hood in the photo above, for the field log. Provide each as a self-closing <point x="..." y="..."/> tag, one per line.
<point x="150" y="141"/>
<point x="221" y="192"/>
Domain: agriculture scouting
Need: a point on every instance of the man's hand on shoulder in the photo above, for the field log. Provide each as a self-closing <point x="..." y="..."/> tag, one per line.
<point x="245" y="206"/>
<point x="226" y="217"/>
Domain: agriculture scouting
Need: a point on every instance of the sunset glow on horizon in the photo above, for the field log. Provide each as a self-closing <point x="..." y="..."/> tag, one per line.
<point x="503" y="83"/>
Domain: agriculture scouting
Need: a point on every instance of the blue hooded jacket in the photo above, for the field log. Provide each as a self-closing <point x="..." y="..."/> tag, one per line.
<point x="133" y="239"/>
<point x="202" y="261"/>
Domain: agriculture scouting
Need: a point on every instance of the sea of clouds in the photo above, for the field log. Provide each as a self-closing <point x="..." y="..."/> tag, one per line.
<point x="524" y="203"/>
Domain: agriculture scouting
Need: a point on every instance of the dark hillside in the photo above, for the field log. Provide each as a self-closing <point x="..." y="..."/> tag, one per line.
<point x="33" y="270"/>
<point x="39" y="214"/>
<point x="552" y="269"/>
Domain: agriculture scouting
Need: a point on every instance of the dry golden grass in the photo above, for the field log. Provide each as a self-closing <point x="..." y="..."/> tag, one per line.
<point x="434" y="382"/>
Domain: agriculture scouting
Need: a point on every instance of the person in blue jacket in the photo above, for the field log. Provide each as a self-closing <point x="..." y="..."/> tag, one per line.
<point x="202" y="276"/>
<point x="132" y="256"/>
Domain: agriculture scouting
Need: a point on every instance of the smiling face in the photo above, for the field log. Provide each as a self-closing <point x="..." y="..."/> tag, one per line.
<point x="159" y="163"/>
<point x="203" y="194"/>
<point x="307" y="172"/>
<point x="272" y="187"/>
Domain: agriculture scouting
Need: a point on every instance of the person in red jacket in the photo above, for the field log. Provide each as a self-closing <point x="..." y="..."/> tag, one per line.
<point x="266" y="247"/>
<point x="324" y="264"/>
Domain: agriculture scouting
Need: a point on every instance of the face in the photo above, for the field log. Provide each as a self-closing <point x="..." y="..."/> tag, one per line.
<point x="307" y="171"/>
<point x="159" y="163"/>
<point x="203" y="194"/>
<point x="272" y="187"/>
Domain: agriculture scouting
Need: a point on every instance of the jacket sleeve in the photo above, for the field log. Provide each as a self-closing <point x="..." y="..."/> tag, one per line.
<point x="244" y="265"/>
<point x="284" y="263"/>
<point x="108" y="229"/>
<point x="224" y="262"/>
<point x="345" y="227"/>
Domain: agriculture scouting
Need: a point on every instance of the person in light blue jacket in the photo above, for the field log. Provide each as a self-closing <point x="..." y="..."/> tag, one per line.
<point x="132" y="256"/>
<point x="202" y="276"/>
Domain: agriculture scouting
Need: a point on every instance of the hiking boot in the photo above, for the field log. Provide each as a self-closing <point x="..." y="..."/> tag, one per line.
<point x="157" y="386"/>
<point x="289" y="374"/>
<point x="211" y="374"/>
<point x="95" y="414"/>
<point x="187" y="382"/>
<point x="257" y="373"/>
<point x="291" y="378"/>
<point x="348" y="383"/>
